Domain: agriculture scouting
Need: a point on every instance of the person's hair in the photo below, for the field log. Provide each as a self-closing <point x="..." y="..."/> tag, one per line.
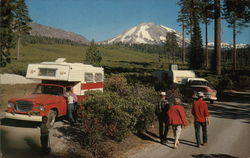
<point x="177" y="101"/>
<point x="67" y="89"/>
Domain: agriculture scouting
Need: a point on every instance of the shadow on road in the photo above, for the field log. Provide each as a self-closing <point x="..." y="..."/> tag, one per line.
<point x="12" y="149"/>
<point x="186" y="142"/>
<point x="31" y="143"/>
<point x="223" y="110"/>
<point x="145" y="136"/>
<point x="213" y="156"/>
<point x="19" y="123"/>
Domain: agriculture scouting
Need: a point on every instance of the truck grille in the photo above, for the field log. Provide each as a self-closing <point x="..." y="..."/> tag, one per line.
<point x="24" y="106"/>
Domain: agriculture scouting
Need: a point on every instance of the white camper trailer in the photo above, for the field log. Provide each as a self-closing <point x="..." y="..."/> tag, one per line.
<point x="174" y="76"/>
<point x="80" y="76"/>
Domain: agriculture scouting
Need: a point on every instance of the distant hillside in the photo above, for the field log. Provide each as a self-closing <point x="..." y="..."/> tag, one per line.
<point x="46" y="31"/>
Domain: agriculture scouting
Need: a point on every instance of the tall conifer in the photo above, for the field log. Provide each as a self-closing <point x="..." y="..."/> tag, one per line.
<point x="6" y="31"/>
<point x="21" y="23"/>
<point x="237" y="14"/>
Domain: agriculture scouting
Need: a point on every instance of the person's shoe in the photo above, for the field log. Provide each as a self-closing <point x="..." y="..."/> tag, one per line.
<point x="175" y="146"/>
<point x="204" y="144"/>
<point x="162" y="141"/>
<point x="178" y="143"/>
<point x="198" y="145"/>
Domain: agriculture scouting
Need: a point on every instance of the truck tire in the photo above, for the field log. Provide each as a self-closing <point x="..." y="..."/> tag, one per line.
<point x="51" y="118"/>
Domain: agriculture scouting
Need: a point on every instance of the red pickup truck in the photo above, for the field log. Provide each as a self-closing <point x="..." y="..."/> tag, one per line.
<point x="48" y="98"/>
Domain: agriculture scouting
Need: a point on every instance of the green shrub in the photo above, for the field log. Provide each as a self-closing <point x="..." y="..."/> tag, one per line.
<point x="119" y="110"/>
<point x="244" y="82"/>
<point x="117" y="83"/>
<point x="105" y="109"/>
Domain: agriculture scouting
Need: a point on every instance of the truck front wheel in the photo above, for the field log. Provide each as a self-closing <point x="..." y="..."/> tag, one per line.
<point x="51" y="118"/>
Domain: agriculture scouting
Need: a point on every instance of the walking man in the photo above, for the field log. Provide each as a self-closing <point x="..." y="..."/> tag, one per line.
<point x="200" y="113"/>
<point x="177" y="119"/>
<point x="160" y="110"/>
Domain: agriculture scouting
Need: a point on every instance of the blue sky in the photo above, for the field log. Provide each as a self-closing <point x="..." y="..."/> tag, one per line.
<point x="104" y="19"/>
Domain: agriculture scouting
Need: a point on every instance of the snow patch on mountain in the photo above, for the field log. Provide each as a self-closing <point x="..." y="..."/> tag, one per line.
<point x="227" y="45"/>
<point x="129" y="33"/>
<point x="145" y="33"/>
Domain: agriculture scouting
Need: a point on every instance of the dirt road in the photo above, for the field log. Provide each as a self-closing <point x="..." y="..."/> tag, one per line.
<point x="22" y="140"/>
<point x="228" y="136"/>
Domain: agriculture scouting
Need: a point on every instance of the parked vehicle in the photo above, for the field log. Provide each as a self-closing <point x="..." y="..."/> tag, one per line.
<point x="188" y="83"/>
<point x="192" y="86"/>
<point x="48" y="98"/>
<point x="173" y="76"/>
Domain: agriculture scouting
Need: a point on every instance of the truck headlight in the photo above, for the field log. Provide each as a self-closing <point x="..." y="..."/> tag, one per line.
<point x="11" y="105"/>
<point x="40" y="108"/>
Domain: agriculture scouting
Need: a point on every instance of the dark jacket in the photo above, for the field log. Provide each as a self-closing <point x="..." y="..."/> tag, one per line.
<point x="161" y="108"/>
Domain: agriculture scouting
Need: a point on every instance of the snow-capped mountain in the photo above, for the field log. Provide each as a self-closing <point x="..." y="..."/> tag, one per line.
<point x="145" y="33"/>
<point x="227" y="45"/>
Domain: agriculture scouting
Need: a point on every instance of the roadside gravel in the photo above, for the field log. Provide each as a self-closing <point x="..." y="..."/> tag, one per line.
<point x="15" y="79"/>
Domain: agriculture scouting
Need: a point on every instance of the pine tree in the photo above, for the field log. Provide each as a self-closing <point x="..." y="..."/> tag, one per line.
<point x="171" y="45"/>
<point x="196" y="57"/>
<point x="6" y="31"/>
<point x="237" y="14"/>
<point x="217" y="36"/>
<point x="206" y="15"/>
<point x="93" y="55"/>
<point x="189" y="16"/>
<point x="183" y="17"/>
<point x="21" y="22"/>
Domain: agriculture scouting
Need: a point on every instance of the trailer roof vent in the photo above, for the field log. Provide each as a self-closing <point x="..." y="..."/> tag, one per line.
<point x="60" y="60"/>
<point x="173" y="67"/>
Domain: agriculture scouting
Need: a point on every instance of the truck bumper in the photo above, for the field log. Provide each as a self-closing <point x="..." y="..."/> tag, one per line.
<point x="23" y="117"/>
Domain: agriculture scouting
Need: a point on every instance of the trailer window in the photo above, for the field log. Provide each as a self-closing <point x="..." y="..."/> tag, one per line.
<point x="88" y="77"/>
<point x="47" y="72"/>
<point x="98" y="77"/>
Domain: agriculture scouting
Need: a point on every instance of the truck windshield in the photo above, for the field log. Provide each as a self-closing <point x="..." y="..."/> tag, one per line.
<point x="205" y="83"/>
<point x="49" y="89"/>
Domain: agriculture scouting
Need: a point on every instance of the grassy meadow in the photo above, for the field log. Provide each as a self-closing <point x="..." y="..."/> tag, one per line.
<point x="119" y="59"/>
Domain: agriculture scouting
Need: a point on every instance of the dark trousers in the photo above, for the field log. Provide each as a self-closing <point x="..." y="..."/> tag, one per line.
<point x="163" y="128"/>
<point x="44" y="143"/>
<point x="203" y="126"/>
<point x="71" y="113"/>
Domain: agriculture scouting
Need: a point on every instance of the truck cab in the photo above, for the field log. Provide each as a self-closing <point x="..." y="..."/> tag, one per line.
<point x="48" y="98"/>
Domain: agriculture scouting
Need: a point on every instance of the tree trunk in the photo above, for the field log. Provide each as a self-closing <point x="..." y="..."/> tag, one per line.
<point x="234" y="47"/>
<point x="173" y="56"/>
<point x="217" y="36"/>
<point x="183" y="43"/>
<point x="206" y="49"/>
<point x="18" y="48"/>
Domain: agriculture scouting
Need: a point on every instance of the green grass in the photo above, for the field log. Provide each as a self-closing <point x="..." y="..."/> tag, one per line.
<point x="114" y="57"/>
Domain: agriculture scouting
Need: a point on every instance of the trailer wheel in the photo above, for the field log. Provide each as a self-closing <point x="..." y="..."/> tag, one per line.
<point x="51" y="118"/>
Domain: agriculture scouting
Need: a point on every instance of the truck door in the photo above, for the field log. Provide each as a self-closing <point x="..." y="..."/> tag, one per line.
<point x="61" y="102"/>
